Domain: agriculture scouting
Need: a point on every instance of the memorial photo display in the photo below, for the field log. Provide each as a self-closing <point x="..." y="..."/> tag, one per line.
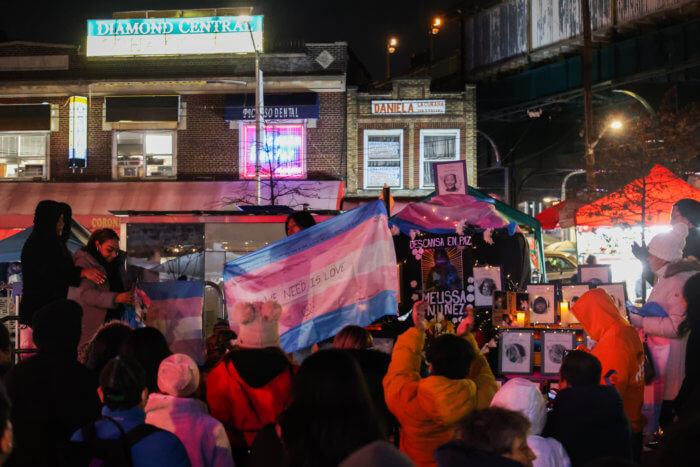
<point x="618" y="293"/>
<point x="542" y="303"/>
<point x="487" y="279"/>
<point x="515" y="352"/>
<point x="594" y="274"/>
<point x="555" y="345"/>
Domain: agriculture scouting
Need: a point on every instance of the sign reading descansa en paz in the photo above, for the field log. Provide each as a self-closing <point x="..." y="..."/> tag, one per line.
<point x="406" y="107"/>
<point x="173" y="36"/>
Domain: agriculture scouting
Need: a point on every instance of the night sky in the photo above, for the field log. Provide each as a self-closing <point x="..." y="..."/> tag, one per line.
<point x="364" y="24"/>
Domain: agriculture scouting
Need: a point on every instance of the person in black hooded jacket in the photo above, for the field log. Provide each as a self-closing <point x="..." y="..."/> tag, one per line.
<point x="52" y="394"/>
<point x="588" y="419"/>
<point x="47" y="265"/>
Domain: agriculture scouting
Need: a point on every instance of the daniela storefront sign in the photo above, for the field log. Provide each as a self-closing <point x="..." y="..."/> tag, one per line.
<point x="409" y="107"/>
<point x="173" y="36"/>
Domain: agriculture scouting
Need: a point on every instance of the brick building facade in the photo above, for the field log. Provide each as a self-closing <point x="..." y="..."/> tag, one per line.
<point x="203" y="144"/>
<point x="408" y="142"/>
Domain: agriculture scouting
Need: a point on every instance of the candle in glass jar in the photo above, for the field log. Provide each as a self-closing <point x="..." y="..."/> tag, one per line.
<point x="564" y="311"/>
<point x="520" y="319"/>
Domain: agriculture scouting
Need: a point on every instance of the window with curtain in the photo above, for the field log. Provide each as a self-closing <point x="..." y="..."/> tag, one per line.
<point x="436" y="146"/>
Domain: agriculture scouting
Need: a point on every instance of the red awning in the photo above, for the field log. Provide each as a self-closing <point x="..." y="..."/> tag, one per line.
<point x="624" y="206"/>
<point x="92" y="202"/>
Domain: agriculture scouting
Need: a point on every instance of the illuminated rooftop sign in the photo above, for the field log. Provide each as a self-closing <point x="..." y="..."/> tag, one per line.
<point x="173" y="36"/>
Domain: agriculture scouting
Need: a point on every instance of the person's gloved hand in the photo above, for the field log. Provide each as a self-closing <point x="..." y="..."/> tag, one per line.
<point x="640" y="252"/>
<point x="636" y="320"/>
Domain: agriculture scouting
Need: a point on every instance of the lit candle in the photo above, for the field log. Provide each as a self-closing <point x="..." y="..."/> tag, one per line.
<point x="520" y="319"/>
<point x="564" y="310"/>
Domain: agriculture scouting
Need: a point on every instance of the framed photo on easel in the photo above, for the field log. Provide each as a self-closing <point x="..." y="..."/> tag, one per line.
<point x="594" y="274"/>
<point x="516" y="352"/>
<point x="450" y="178"/>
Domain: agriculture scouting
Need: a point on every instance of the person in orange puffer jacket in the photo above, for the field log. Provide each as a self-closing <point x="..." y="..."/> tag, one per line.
<point x="620" y="351"/>
<point x="428" y="408"/>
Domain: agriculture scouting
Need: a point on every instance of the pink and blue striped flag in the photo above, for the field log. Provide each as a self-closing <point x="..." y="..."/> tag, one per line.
<point x="176" y="311"/>
<point x="339" y="272"/>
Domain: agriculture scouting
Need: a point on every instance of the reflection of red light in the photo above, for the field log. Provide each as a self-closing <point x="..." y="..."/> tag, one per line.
<point x="286" y="133"/>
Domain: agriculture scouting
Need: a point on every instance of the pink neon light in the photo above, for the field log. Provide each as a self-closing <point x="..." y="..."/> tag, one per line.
<point x="284" y="154"/>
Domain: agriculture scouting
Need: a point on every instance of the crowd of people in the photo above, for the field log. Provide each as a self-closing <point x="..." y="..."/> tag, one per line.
<point x="98" y="392"/>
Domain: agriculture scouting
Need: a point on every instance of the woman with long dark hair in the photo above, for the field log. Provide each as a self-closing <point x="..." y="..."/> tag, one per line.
<point x="687" y="402"/>
<point x="100" y="302"/>
<point x="330" y="417"/>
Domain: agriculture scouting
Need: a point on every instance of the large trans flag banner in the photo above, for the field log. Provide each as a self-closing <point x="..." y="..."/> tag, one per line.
<point x="339" y="272"/>
<point x="176" y="311"/>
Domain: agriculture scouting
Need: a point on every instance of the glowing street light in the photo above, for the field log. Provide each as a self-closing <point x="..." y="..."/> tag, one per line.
<point x="616" y="124"/>
<point x="390" y="49"/>
<point x="437" y="22"/>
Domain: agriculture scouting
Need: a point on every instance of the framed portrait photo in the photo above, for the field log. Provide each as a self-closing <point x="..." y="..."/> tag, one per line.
<point x="555" y="344"/>
<point x="450" y="178"/>
<point x="500" y="300"/>
<point x="542" y="303"/>
<point x="487" y="279"/>
<point x="522" y="302"/>
<point x="618" y="293"/>
<point x="571" y="294"/>
<point x="515" y="352"/>
<point x="594" y="274"/>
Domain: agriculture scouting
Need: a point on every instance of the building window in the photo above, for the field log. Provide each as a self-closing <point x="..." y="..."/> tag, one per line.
<point x="436" y="146"/>
<point x="383" y="156"/>
<point x="23" y="155"/>
<point x="145" y="154"/>
<point x="282" y="156"/>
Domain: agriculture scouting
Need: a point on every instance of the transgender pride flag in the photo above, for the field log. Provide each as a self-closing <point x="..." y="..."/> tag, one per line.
<point x="339" y="272"/>
<point x="176" y="311"/>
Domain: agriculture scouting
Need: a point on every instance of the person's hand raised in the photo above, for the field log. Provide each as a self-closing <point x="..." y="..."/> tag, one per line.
<point x="419" y="309"/>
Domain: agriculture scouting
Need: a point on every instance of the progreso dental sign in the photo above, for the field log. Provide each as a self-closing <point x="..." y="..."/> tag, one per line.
<point x="173" y="36"/>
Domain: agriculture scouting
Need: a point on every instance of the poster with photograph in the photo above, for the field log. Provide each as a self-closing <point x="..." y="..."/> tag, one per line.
<point x="500" y="301"/>
<point x="542" y="303"/>
<point x="441" y="276"/>
<point x="571" y="294"/>
<point x="515" y="352"/>
<point x="487" y="279"/>
<point x="522" y="302"/>
<point x="450" y="178"/>
<point x="555" y="344"/>
<point x="594" y="274"/>
<point x="618" y="293"/>
<point x="442" y="269"/>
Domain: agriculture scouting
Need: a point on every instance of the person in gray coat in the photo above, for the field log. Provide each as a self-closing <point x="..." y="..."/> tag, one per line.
<point x="100" y="302"/>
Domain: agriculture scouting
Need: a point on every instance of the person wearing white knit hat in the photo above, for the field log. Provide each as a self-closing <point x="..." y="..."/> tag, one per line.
<point x="666" y="261"/>
<point x="252" y="385"/>
<point x="177" y="410"/>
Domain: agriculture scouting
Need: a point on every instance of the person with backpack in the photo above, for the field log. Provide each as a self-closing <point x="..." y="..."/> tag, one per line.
<point x="121" y="437"/>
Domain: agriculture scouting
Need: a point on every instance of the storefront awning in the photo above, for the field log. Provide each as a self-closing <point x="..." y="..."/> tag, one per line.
<point x="289" y="106"/>
<point x="92" y="202"/>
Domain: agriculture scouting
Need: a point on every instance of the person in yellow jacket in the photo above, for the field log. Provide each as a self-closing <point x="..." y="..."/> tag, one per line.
<point x="621" y="354"/>
<point x="427" y="409"/>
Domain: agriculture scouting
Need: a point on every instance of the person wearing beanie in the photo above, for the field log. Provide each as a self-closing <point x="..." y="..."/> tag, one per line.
<point x="298" y="221"/>
<point x="124" y="393"/>
<point x="252" y="384"/>
<point x="524" y="396"/>
<point x="51" y="389"/>
<point x="666" y="261"/>
<point x="177" y="410"/>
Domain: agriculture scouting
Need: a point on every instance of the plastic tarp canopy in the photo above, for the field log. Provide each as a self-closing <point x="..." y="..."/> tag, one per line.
<point x="11" y="247"/>
<point x="624" y="206"/>
<point x="512" y="215"/>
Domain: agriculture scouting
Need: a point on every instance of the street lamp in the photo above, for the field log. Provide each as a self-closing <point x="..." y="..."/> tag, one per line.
<point x="259" y="110"/>
<point x="437" y="23"/>
<point x="390" y="49"/>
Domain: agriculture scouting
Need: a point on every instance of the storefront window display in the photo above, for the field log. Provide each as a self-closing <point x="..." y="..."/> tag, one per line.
<point x="383" y="158"/>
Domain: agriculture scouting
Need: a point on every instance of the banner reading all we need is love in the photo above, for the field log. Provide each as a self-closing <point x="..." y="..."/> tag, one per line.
<point x="339" y="272"/>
